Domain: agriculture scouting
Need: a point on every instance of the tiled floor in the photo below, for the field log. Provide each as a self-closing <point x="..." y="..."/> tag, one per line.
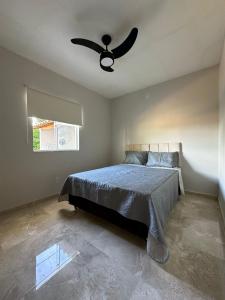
<point x="48" y="251"/>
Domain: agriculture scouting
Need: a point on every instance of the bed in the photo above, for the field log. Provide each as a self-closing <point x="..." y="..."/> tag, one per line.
<point x="137" y="196"/>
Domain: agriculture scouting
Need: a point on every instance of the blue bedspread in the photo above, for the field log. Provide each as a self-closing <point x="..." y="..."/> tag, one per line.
<point x="137" y="192"/>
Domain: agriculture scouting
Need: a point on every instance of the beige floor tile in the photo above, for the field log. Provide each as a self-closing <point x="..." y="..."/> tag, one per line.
<point x="49" y="251"/>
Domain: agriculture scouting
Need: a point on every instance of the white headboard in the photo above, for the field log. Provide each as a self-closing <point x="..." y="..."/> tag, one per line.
<point x="155" y="147"/>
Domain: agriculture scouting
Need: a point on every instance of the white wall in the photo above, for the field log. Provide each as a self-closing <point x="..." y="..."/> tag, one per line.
<point x="222" y="133"/>
<point x="24" y="175"/>
<point x="181" y="110"/>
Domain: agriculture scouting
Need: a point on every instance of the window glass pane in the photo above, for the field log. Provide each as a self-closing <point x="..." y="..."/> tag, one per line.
<point x="52" y="136"/>
<point x="36" y="139"/>
<point x="66" y="136"/>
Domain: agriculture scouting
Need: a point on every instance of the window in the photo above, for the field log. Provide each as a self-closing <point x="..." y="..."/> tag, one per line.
<point x="55" y="121"/>
<point x="54" y="136"/>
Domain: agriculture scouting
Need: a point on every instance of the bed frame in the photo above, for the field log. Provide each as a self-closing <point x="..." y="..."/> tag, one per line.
<point x="108" y="214"/>
<point x="112" y="216"/>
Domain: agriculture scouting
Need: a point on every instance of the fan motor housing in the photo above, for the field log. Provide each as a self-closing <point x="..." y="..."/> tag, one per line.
<point x="106" y="39"/>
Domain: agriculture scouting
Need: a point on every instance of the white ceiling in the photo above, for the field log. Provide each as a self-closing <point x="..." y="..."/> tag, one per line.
<point x="176" y="37"/>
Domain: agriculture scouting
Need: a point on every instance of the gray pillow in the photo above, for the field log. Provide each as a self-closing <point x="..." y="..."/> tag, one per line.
<point x="163" y="159"/>
<point x="136" y="157"/>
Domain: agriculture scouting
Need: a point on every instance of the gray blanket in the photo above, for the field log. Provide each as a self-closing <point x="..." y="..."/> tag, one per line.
<point x="136" y="192"/>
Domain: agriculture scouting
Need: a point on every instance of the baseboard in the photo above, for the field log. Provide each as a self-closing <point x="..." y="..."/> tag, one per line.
<point x="220" y="199"/>
<point x="212" y="196"/>
<point x="27" y="204"/>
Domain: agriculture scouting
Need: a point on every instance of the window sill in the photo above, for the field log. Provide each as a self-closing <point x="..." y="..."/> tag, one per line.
<point x="41" y="151"/>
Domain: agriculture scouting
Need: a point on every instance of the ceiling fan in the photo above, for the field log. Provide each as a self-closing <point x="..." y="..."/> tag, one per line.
<point x="107" y="57"/>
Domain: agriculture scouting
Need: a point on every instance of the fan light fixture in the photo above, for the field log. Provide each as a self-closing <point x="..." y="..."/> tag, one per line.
<point x="106" y="59"/>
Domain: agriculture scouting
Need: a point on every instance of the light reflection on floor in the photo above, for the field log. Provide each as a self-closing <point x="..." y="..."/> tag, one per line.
<point x="50" y="262"/>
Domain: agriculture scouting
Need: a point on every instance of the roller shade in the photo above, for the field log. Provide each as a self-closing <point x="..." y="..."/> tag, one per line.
<point x="49" y="107"/>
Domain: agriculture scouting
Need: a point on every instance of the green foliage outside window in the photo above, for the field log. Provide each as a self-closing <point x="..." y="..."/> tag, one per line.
<point x="36" y="139"/>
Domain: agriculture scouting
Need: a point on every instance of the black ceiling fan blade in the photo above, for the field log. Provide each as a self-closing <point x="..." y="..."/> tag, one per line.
<point x="126" y="45"/>
<point x="92" y="45"/>
<point x="107" y="69"/>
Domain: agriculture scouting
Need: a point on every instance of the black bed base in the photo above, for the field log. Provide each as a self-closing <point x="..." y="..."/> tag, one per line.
<point x="110" y="215"/>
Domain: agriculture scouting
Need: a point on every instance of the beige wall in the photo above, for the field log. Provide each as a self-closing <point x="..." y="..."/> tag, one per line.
<point x="181" y="110"/>
<point x="222" y="133"/>
<point x="24" y="175"/>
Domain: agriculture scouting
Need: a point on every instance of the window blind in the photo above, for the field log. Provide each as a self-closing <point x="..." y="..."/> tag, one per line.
<point x="49" y="107"/>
